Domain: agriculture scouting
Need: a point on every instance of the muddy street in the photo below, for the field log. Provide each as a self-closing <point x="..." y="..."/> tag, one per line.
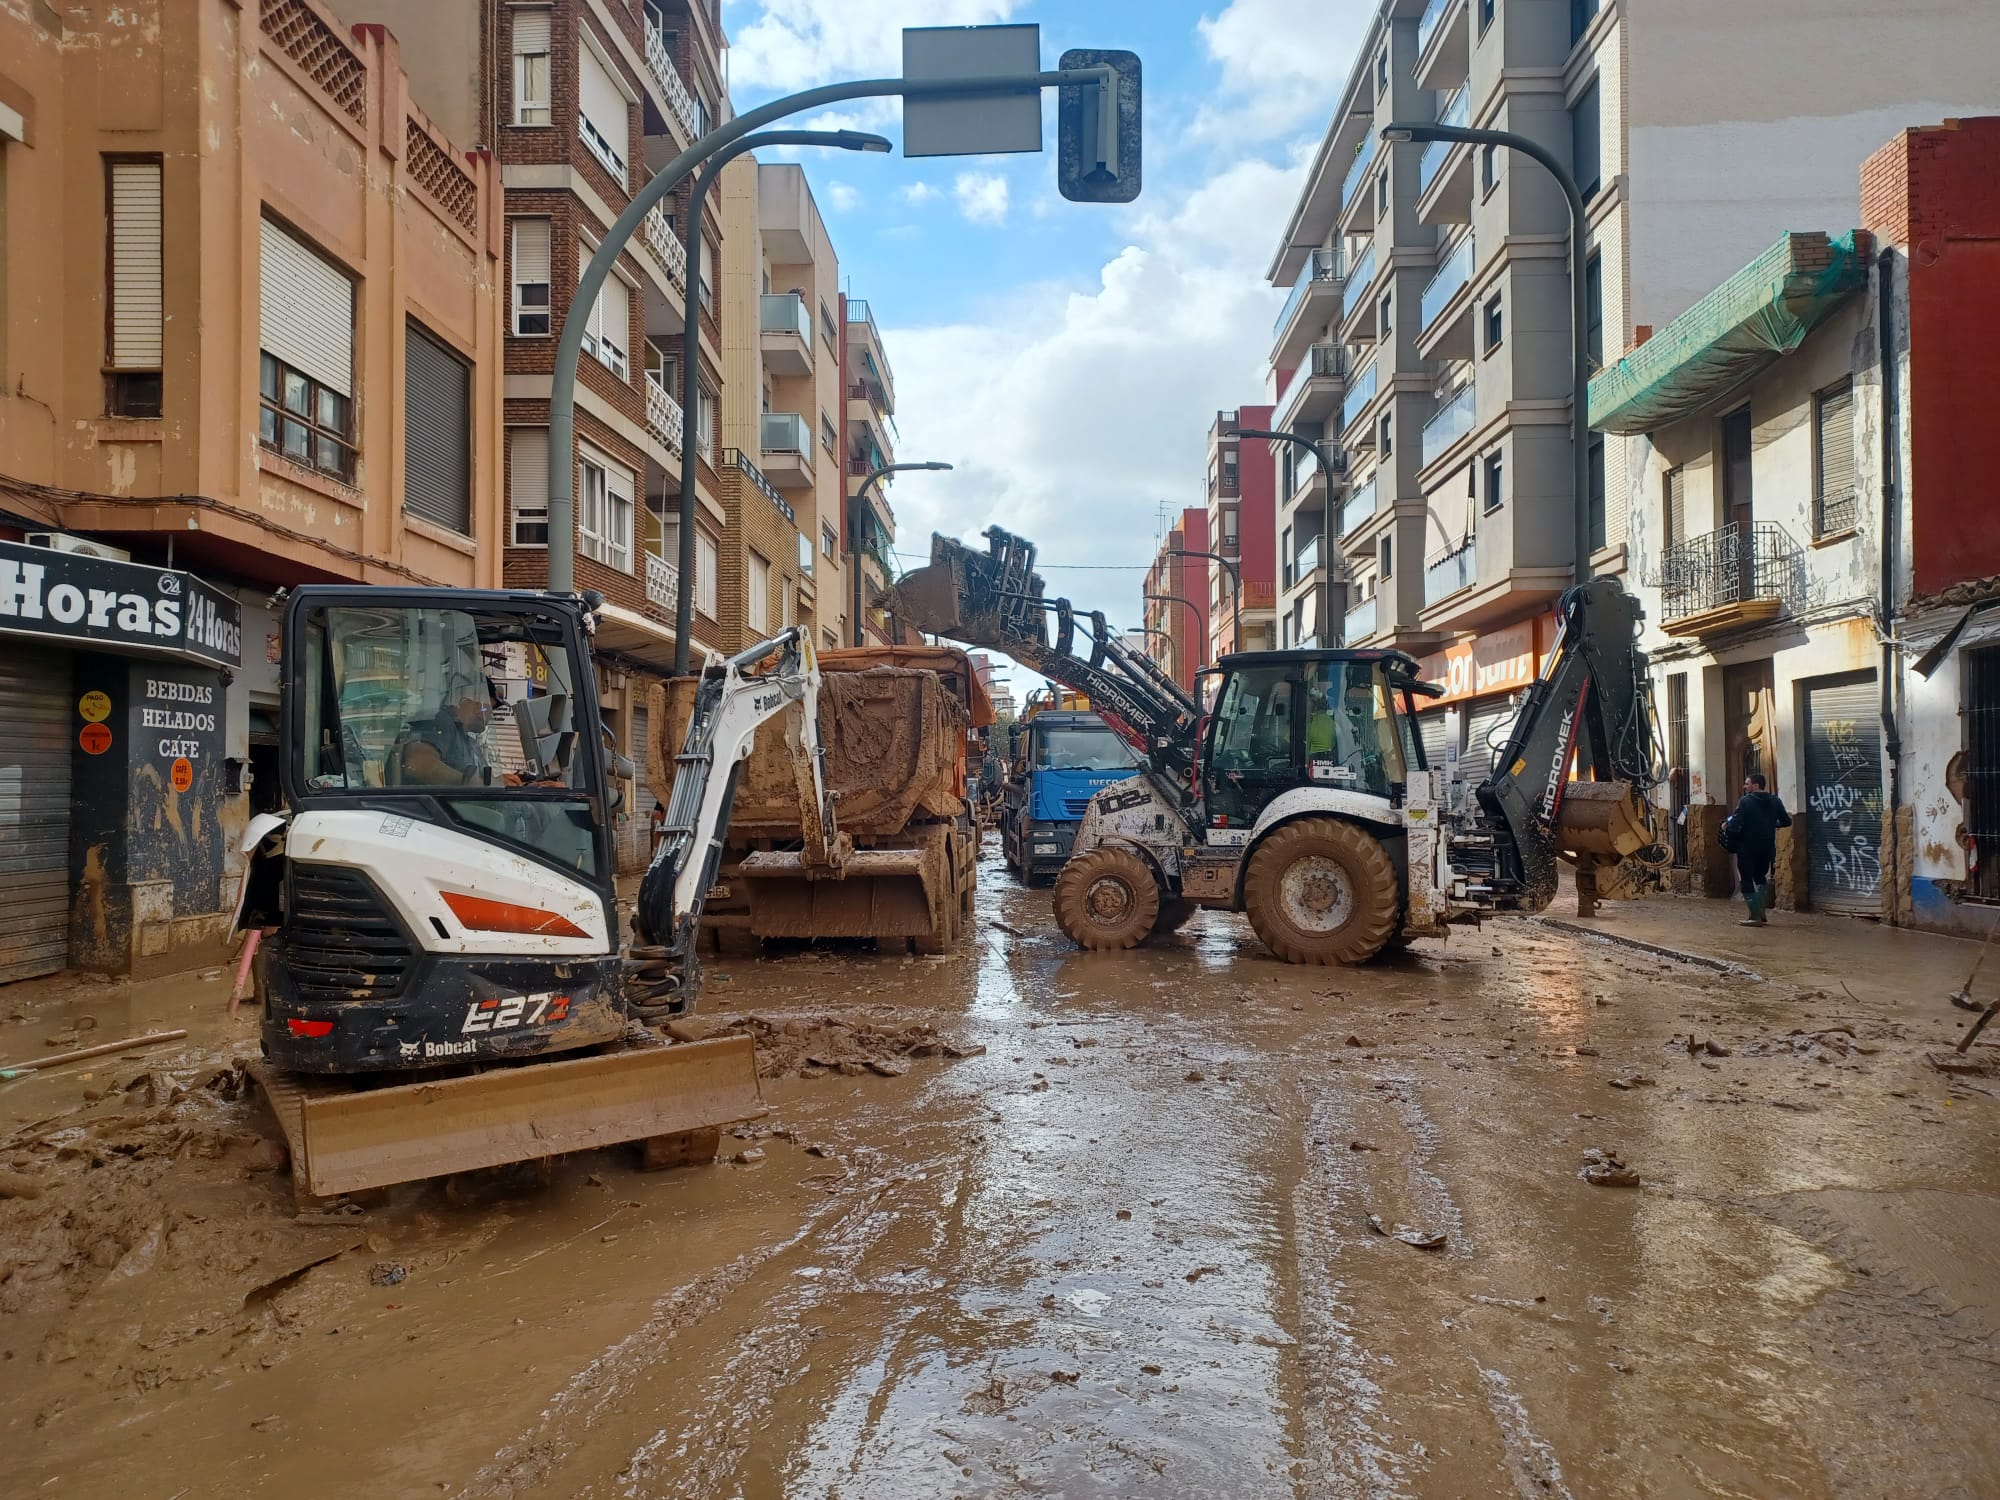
<point x="1533" y="1213"/>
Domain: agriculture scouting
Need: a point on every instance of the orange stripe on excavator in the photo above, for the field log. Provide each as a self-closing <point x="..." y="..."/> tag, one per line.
<point x="482" y="915"/>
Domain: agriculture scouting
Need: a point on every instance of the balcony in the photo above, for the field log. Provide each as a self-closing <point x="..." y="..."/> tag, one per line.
<point x="785" y="333"/>
<point x="786" y="443"/>
<point x="666" y="245"/>
<point x="1730" y="579"/>
<point x="1364" y="158"/>
<point x="1446" y="575"/>
<point x="679" y="100"/>
<point x="664" y="417"/>
<point x="1443" y="50"/>
<point x="1314" y="389"/>
<point x="1305" y="564"/>
<point x="1449" y="423"/>
<point x="1444" y="171"/>
<point x="1454" y="112"/>
<point x="1360" y="623"/>
<point x="1308" y="475"/>
<point x="1307" y="310"/>
<point x="1360" y="282"/>
<point x="1360" y="392"/>
<point x="1361" y="505"/>
<point x="861" y="320"/>
<point x="662" y="583"/>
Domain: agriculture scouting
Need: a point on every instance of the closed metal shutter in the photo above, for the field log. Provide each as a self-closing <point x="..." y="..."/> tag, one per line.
<point x="1842" y="802"/>
<point x="35" y="714"/>
<point x="1485" y="731"/>
<point x="1430" y="729"/>
<point x="636" y="838"/>
<point x="306" y="310"/>
<point x="135" y="265"/>
<point x="437" y="441"/>
<point x="1833" y="437"/>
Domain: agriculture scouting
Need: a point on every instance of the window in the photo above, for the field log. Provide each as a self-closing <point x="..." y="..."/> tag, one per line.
<point x="1489" y="168"/>
<point x="1586" y="155"/>
<point x="132" y="292"/>
<point x="1581" y="14"/>
<point x="1495" y="482"/>
<point x="607" y="331"/>
<point x="1833" y="459"/>
<point x="1285" y="551"/>
<point x="531" y="68"/>
<point x="528" y="485"/>
<point x="605" y="115"/>
<point x="1593" y="300"/>
<point x="805" y="554"/>
<point x="1388" y="313"/>
<point x="1486" y="9"/>
<point x="662" y="368"/>
<point x="1385" y="557"/>
<point x="1388" y="434"/>
<point x="829" y="435"/>
<point x="829" y="641"/>
<point x="1597" y="495"/>
<point x="306" y="375"/>
<point x="531" y="278"/>
<point x="827" y="326"/>
<point x="704" y="426"/>
<point x="757" y="606"/>
<point x="1496" y="326"/>
<point x="1673" y="507"/>
<point x="829" y="543"/>
<point x="1229" y="526"/>
<point x="604" y="512"/>
<point x="1382" y="70"/>
<point x="1382" y="191"/>
<point x="704" y="573"/>
<point x="437" y="432"/>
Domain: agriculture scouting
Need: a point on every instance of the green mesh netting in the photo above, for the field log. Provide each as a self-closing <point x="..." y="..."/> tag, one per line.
<point x="1742" y="327"/>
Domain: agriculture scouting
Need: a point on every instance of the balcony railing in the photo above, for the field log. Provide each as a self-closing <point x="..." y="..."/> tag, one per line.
<point x="1427" y="27"/>
<point x="869" y="391"/>
<point x="785" y="312"/>
<point x="1364" y="157"/>
<point x="1304" y="464"/>
<point x="785" y="432"/>
<point x="1358" y="281"/>
<point x="662" y="582"/>
<point x="1308" y="559"/>
<point x="662" y="64"/>
<point x="1759" y="568"/>
<point x="1360" y="621"/>
<point x="664" y="417"/>
<point x="1446" y="575"/>
<point x="1359" y="394"/>
<point x="1450" y="280"/>
<point x="667" y="245"/>
<point x="755" y="475"/>
<point x="1361" y="504"/>
<point x="1321" y="360"/>
<point x="1449" y="423"/>
<point x="1228" y="485"/>
<point x="858" y="312"/>
<point x="1455" y="112"/>
<point x="1322" y="268"/>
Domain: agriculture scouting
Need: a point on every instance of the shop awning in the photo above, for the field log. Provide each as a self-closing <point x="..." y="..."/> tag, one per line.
<point x="1738" y="330"/>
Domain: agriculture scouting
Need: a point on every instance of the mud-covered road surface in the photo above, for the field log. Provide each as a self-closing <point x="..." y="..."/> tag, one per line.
<point x="1194" y="1223"/>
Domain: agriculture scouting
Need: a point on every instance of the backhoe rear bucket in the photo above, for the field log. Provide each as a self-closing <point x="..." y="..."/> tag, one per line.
<point x="344" y="1139"/>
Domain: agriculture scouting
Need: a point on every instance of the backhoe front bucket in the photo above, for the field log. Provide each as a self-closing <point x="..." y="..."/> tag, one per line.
<point x="345" y="1139"/>
<point x="932" y="599"/>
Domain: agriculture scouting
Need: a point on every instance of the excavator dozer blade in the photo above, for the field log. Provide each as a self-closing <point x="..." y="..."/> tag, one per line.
<point x="344" y="1139"/>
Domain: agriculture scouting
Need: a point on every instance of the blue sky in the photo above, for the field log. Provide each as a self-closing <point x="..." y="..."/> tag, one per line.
<point x="1067" y="357"/>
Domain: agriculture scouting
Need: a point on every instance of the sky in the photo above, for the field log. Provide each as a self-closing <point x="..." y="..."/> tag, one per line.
<point x="1068" y="358"/>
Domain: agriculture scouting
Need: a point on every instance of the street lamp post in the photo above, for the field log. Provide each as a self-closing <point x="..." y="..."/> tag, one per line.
<point x="1172" y="646"/>
<point x="844" y="140"/>
<point x="1235" y="588"/>
<point x="1200" y="616"/>
<point x="875" y="476"/>
<point x="1311" y="445"/>
<point x="1579" y="271"/>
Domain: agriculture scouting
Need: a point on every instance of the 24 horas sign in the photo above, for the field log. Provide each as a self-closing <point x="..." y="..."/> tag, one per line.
<point x="118" y="606"/>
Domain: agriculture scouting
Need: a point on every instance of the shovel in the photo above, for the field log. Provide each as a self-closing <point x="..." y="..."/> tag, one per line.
<point x="1963" y="998"/>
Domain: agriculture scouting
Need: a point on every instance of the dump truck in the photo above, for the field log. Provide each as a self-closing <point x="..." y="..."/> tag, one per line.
<point x="897" y="725"/>
<point x="1062" y="758"/>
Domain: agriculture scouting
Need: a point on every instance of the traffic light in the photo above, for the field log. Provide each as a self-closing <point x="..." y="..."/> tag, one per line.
<point x="1098" y="147"/>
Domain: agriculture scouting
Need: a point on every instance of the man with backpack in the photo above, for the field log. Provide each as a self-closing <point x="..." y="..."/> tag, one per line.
<point x="1751" y="834"/>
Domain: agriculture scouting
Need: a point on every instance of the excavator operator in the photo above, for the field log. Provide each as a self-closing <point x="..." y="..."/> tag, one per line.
<point x="446" y="749"/>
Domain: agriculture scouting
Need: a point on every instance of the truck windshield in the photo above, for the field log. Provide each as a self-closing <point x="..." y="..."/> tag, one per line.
<point x="1083" y="747"/>
<point x="474" y="709"/>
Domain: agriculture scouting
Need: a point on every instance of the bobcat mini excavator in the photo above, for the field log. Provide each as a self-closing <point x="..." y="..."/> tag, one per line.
<point x="443" y="983"/>
<point x="1304" y="799"/>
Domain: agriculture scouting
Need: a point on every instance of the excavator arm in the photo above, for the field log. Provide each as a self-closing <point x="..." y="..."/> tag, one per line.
<point x="1594" y="693"/>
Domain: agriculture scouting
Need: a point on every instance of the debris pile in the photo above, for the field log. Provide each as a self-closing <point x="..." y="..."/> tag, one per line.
<point x="812" y="1046"/>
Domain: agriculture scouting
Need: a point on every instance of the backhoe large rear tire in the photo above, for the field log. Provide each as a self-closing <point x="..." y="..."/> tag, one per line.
<point x="1106" y="900"/>
<point x="1321" y="891"/>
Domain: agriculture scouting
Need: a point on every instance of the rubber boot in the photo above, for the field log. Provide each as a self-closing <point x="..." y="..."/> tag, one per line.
<point x="1754" y="898"/>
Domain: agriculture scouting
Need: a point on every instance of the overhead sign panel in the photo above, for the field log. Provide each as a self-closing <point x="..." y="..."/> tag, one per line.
<point x="974" y="124"/>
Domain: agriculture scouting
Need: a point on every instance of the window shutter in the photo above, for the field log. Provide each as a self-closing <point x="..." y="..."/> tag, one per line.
<point x="437" y="437"/>
<point x="1836" y="444"/>
<point x="135" y="265"/>
<point x="1676" y="508"/>
<point x="307" y="310"/>
<point x="531" y="251"/>
<point x="615" y="314"/>
<point x="603" y="102"/>
<point x="528" y="485"/>
<point x="531" y="33"/>
<point x="759" y="607"/>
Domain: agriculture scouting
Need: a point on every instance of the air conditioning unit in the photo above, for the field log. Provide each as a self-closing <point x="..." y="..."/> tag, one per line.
<point x="62" y="541"/>
<point x="1336" y="460"/>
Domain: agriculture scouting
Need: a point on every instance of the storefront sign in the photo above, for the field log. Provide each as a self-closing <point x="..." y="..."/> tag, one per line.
<point x="118" y="606"/>
<point x="94" y="738"/>
<point x="94" y="706"/>
<point x="1501" y="661"/>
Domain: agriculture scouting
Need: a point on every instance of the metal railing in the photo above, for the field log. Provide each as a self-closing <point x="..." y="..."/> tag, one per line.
<point x="858" y="311"/>
<point x="1359" y="280"/>
<point x="1361" y="504"/>
<point x="663" y="242"/>
<point x="1364" y="157"/>
<point x="1445" y="576"/>
<point x="756" y="477"/>
<point x="1451" y="278"/>
<point x="1321" y="360"/>
<point x="1360" y="621"/>
<point x="1836" y="512"/>
<point x="785" y="312"/>
<point x="1360" y="392"/>
<point x="1322" y="268"/>
<point x="1455" y="112"/>
<point x="662" y="581"/>
<point x="664" y="417"/>
<point x="669" y="76"/>
<point x="1449" y="423"/>
<point x="1732" y="566"/>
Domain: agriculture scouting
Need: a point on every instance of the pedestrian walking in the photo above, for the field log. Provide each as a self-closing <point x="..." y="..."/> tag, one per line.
<point x="1751" y="834"/>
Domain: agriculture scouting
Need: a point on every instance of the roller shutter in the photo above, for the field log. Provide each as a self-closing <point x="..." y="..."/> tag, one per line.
<point x="636" y="838"/>
<point x="35" y="718"/>
<point x="437" y="440"/>
<point x="306" y="310"/>
<point x="1431" y="730"/>
<point x="135" y="265"/>
<point x="1842" y="803"/>
<point x="1485" y="728"/>
<point x="603" y="103"/>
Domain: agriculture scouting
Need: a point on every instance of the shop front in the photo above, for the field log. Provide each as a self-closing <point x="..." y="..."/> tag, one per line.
<point x="116" y="789"/>
<point x="1482" y="678"/>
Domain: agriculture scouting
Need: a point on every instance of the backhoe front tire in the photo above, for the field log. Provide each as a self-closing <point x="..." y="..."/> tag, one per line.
<point x="1107" y="900"/>
<point x="1322" y="891"/>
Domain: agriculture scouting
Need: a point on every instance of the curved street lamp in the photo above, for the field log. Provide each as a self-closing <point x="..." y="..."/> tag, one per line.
<point x="1235" y="586"/>
<point x="874" y="477"/>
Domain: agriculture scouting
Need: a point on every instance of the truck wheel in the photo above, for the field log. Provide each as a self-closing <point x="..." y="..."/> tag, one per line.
<point x="1321" y="891"/>
<point x="1175" y="913"/>
<point x="1106" y="900"/>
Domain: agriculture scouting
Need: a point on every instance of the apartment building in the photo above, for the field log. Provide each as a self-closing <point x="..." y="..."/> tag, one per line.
<point x="1808" y="528"/>
<point x="868" y="441"/>
<point x="1175" y="604"/>
<point x="1242" y="527"/>
<point x="234" y="357"/>
<point x="1427" y="335"/>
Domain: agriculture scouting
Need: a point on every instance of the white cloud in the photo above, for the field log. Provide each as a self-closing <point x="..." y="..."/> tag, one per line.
<point x="982" y="197"/>
<point x="1283" y="64"/>
<point x="918" y="192"/>
<point x="794" y="44"/>
<point x="843" y="196"/>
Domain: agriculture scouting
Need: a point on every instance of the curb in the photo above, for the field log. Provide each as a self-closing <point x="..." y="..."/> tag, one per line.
<point x="1656" y="950"/>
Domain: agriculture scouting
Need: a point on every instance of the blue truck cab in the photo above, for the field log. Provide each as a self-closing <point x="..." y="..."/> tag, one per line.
<point x="1061" y="759"/>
